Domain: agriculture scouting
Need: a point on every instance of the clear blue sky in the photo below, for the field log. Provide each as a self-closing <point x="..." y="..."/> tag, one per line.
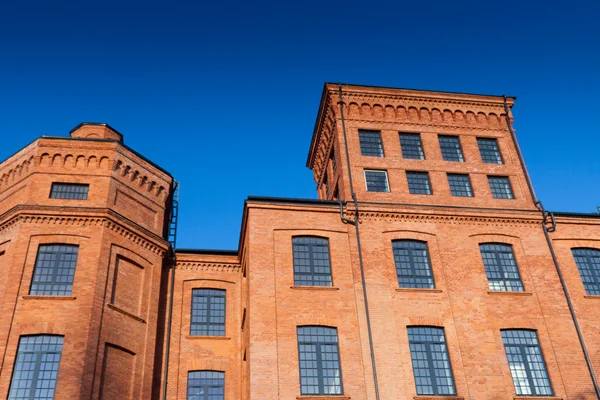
<point x="224" y="95"/>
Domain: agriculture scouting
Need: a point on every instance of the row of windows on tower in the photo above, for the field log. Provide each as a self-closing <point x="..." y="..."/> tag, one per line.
<point x="419" y="183"/>
<point x="412" y="147"/>
<point x="38" y="359"/>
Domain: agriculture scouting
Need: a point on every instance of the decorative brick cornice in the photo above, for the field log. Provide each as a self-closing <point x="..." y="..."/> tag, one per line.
<point x="448" y="219"/>
<point x="140" y="178"/>
<point x="110" y="220"/>
<point x="207" y="266"/>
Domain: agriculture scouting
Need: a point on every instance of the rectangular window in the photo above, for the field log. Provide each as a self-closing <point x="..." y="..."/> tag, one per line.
<point x="411" y="146"/>
<point x="451" y="149"/>
<point x="54" y="270"/>
<point x="370" y="143"/>
<point x="319" y="356"/>
<point x="526" y="363"/>
<point x="377" y="181"/>
<point x="500" y="187"/>
<point x="430" y="361"/>
<point x="36" y="368"/>
<point x="418" y="182"/>
<point x="500" y="267"/>
<point x="311" y="261"/>
<point x="206" y="385"/>
<point x="588" y="264"/>
<point x="332" y="158"/>
<point x="208" y="312"/>
<point x="413" y="268"/>
<point x="489" y="150"/>
<point x="71" y="191"/>
<point x="460" y="185"/>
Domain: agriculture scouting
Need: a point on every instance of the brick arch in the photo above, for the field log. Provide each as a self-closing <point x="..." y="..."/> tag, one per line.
<point x="118" y="340"/>
<point x="41" y="328"/>
<point x="316" y="319"/>
<point x="208" y="364"/>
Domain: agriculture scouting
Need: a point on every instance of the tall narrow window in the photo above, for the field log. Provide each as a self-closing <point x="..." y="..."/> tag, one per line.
<point x="418" y="182"/>
<point x="377" y="181"/>
<point x="489" y="150"/>
<point x="332" y="158"/>
<point x="411" y="146"/>
<point x="500" y="267"/>
<point x="451" y="149"/>
<point x="206" y="385"/>
<point x="71" y="191"/>
<point x="370" y="143"/>
<point x="413" y="268"/>
<point x="430" y="361"/>
<point x="588" y="264"/>
<point x="460" y="185"/>
<point x="500" y="187"/>
<point x="319" y="356"/>
<point x="208" y="312"/>
<point x="311" y="261"/>
<point x="526" y="363"/>
<point x="54" y="270"/>
<point x="36" y="368"/>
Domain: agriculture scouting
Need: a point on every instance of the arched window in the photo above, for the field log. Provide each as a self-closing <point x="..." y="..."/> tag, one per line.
<point x="311" y="261"/>
<point x="36" y="367"/>
<point x="208" y="312"/>
<point x="319" y="359"/>
<point x="206" y="385"/>
<point x="430" y="361"/>
<point x="588" y="264"/>
<point x="526" y="362"/>
<point x="413" y="267"/>
<point x="500" y="267"/>
<point x="54" y="270"/>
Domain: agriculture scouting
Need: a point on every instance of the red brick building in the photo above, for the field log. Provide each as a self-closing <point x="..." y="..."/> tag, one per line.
<point x="427" y="269"/>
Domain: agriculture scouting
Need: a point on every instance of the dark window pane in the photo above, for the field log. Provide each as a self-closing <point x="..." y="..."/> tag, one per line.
<point x="54" y="270"/>
<point x="411" y="146"/>
<point x="588" y="264"/>
<point x="451" y="150"/>
<point x="412" y="264"/>
<point x="206" y="385"/>
<point x="500" y="187"/>
<point x="370" y="143"/>
<point x="490" y="153"/>
<point x="418" y="182"/>
<point x="208" y="312"/>
<point x="500" y="267"/>
<point x="430" y="361"/>
<point x="72" y="191"/>
<point x="526" y="363"/>
<point x="319" y="359"/>
<point x="311" y="261"/>
<point x="376" y="181"/>
<point x="460" y="185"/>
<point x="36" y="368"/>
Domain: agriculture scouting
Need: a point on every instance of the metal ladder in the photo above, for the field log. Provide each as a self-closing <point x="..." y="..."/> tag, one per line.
<point x="172" y="236"/>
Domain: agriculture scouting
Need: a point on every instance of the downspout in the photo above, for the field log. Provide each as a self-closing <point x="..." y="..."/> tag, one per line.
<point x="549" y="225"/>
<point x="169" y="319"/>
<point x="360" y="258"/>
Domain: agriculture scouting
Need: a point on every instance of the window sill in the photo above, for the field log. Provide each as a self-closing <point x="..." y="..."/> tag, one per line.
<point x="38" y="297"/>
<point x="324" y="397"/>
<point x="591" y="296"/>
<point x="438" y="397"/>
<point x="423" y="290"/>
<point x="208" y="337"/>
<point x="314" y="288"/>
<point x="536" y="398"/>
<point x="500" y="292"/>
<point x="126" y="313"/>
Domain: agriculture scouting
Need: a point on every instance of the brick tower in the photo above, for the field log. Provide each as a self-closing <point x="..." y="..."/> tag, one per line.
<point x="82" y="249"/>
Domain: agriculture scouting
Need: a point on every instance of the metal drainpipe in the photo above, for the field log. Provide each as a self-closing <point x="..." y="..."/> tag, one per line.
<point x="169" y="319"/>
<point x="360" y="258"/>
<point x="545" y="215"/>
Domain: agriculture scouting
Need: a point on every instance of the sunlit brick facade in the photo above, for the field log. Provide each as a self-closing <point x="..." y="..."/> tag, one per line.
<point x="453" y="292"/>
